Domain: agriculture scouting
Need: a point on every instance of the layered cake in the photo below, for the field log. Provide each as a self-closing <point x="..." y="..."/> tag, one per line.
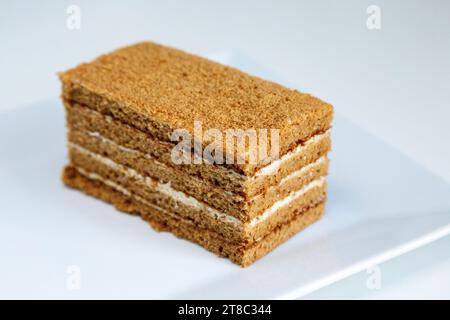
<point x="148" y="131"/>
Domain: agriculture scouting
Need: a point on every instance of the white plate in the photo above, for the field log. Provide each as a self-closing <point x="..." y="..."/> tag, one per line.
<point x="381" y="204"/>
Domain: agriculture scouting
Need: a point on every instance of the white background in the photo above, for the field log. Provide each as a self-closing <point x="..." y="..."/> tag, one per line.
<point x="395" y="82"/>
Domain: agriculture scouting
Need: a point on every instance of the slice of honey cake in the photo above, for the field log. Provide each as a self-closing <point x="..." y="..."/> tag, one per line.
<point x="232" y="162"/>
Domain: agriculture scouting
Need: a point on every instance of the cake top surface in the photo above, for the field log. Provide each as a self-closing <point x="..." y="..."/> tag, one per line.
<point x="177" y="88"/>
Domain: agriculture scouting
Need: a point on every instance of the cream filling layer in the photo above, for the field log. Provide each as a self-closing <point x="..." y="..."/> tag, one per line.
<point x="273" y="167"/>
<point x="285" y="201"/>
<point x="298" y="173"/>
<point x="180" y="196"/>
<point x="119" y="188"/>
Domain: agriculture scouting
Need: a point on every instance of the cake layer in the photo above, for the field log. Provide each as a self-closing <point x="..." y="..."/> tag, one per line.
<point x="165" y="196"/>
<point x="159" y="89"/>
<point x="89" y="128"/>
<point x="241" y="253"/>
<point x="226" y="202"/>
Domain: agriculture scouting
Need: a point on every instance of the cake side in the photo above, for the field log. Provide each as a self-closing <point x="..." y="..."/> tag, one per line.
<point x="241" y="196"/>
<point x="86" y="122"/>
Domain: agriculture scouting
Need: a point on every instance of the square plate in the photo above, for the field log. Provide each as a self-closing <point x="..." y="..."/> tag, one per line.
<point x="381" y="204"/>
